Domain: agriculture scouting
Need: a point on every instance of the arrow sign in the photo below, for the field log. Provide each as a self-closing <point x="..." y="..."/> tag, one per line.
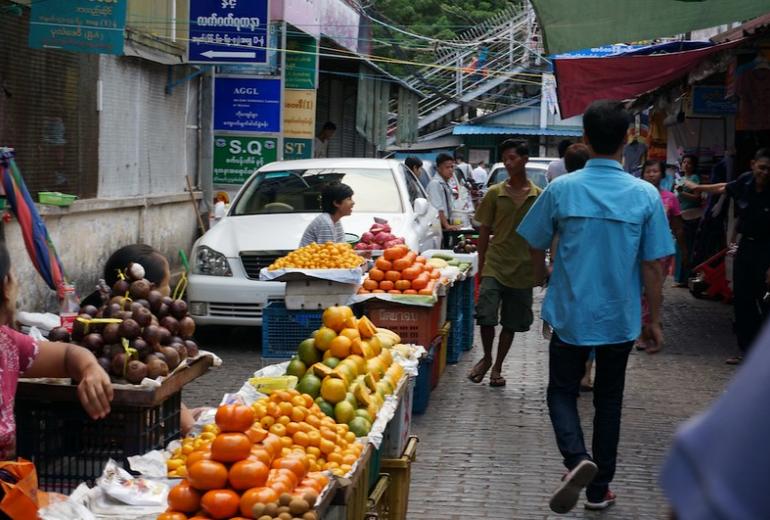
<point x="228" y="54"/>
<point x="227" y="31"/>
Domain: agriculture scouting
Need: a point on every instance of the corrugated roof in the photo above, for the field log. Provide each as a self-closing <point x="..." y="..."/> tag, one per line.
<point x="516" y="130"/>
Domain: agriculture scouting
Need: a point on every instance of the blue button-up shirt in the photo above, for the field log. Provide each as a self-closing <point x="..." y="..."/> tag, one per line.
<point x="607" y="222"/>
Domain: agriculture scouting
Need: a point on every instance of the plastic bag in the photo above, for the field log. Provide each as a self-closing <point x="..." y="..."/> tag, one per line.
<point x="120" y="485"/>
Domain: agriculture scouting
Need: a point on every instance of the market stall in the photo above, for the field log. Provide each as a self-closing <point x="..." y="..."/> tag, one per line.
<point x="322" y="432"/>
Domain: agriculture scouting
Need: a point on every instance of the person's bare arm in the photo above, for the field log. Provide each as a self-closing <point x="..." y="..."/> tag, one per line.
<point x="66" y="360"/>
<point x="652" y="275"/>
<point x="690" y="196"/>
<point x="484" y="233"/>
<point x="445" y="225"/>
<point x="718" y="188"/>
<point x="677" y="228"/>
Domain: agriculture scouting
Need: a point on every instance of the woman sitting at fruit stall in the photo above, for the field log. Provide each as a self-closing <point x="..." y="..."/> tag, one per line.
<point x="20" y="355"/>
<point x="336" y="202"/>
<point x="155" y="269"/>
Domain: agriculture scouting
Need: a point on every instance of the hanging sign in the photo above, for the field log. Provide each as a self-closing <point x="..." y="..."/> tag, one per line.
<point x="299" y="113"/>
<point x="78" y="25"/>
<point x="228" y="31"/>
<point x="236" y="157"/>
<point x="244" y="104"/>
<point x="297" y="148"/>
<point x="301" y="58"/>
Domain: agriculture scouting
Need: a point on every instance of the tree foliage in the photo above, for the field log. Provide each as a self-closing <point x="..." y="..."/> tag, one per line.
<point x="439" y="19"/>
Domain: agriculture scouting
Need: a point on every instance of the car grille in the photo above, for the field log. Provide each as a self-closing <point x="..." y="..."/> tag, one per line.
<point x="235" y="310"/>
<point x="253" y="262"/>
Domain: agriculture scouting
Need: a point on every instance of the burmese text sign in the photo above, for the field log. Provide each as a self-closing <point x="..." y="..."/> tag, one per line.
<point x="236" y="157"/>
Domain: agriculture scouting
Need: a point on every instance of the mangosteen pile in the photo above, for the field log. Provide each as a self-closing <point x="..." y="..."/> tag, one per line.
<point x="158" y="330"/>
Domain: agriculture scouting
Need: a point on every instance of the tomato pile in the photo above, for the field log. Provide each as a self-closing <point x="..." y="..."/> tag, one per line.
<point x="401" y="271"/>
<point x="249" y="471"/>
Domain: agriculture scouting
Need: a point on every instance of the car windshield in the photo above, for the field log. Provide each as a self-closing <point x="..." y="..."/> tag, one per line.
<point x="299" y="191"/>
<point x="536" y="175"/>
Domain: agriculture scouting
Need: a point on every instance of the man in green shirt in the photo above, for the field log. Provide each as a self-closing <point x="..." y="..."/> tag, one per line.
<point x="507" y="276"/>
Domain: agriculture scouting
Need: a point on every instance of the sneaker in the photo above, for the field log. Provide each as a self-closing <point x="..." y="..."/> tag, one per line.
<point x="568" y="494"/>
<point x="609" y="499"/>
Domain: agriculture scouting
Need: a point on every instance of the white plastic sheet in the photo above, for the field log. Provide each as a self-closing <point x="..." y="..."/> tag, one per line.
<point x="355" y="276"/>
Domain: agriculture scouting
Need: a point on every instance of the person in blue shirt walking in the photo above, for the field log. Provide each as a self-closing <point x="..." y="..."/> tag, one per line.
<point x="612" y="230"/>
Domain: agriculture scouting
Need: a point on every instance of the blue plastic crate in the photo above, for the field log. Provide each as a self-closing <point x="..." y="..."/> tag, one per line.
<point x="283" y="330"/>
<point x="456" y="334"/>
<point x="454" y="302"/>
<point x="469" y="312"/>
<point x="422" y="383"/>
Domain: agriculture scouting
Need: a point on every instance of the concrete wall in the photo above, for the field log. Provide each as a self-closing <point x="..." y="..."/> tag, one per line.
<point x="86" y="234"/>
<point x="145" y="145"/>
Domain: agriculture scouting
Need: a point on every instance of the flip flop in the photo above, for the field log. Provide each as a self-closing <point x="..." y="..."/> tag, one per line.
<point x="496" y="380"/>
<point x="479" y="370"/>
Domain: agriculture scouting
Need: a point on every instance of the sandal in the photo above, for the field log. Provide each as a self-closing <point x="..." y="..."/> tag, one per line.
<point x="496" y="380"/>
<point x="479" y="370"/>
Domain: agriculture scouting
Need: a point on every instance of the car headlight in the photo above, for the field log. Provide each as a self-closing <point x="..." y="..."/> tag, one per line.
<point x="211" y="263"/>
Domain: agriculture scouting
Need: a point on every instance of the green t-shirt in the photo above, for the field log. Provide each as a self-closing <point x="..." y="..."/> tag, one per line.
<point x="507" y="258"/>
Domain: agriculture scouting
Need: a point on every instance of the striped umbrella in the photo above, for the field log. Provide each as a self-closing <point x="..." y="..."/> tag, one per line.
<point x="36" y="239"/>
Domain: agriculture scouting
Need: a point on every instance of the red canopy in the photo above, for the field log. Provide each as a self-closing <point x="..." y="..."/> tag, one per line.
<point x="580" y="81"/>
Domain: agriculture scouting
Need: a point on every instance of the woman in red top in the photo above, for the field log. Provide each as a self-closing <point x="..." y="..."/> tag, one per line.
<point x="21" y="356"/>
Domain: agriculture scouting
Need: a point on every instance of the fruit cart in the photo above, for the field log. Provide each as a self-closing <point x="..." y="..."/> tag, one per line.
<point x="68" y="447"/>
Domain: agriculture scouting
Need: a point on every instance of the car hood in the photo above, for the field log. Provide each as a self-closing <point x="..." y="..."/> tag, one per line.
<point x="282" y="232"/>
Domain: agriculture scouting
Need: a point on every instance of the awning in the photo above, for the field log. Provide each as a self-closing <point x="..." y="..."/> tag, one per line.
<point x="581" y="81"/>
<point x="568" y="25"/>
<point x="516" y="130"/>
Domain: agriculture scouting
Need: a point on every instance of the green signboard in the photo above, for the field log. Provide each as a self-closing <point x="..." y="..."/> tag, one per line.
<point x="297" y="149"/>
<point x="78" y="25"/>
<point x="301" y="59"/>
<point x="237" y="157"/>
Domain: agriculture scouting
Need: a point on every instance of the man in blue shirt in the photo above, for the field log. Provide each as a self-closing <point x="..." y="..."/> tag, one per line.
<point x="612" y="231"/>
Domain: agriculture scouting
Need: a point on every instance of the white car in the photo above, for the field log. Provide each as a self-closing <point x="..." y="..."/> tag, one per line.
<point x="535" y="172"/>
<point x="269" y="215"/>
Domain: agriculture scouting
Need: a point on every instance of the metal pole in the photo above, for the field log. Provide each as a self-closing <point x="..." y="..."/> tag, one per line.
<point x="206" y="150"/>
<point x="459" y="75"/>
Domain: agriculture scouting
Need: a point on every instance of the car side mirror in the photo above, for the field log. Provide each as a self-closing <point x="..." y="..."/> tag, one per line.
<point x="421" y="206"/>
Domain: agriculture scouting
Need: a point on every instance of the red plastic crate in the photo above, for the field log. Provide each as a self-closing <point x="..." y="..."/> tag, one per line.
<point x="417" y="325"/>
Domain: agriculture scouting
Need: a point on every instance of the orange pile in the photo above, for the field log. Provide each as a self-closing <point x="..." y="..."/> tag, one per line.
<point x="245" y="468"/>
<point x="401" y="271"/>
<point x="302" y="428"/>
<point x="319" y="256"/>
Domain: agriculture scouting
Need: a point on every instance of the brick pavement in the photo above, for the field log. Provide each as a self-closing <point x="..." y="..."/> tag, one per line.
<point x="490" y="453"/>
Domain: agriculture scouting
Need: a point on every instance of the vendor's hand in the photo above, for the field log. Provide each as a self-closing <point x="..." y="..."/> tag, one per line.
<point x="95" y="391"/>
<point x="652" y="335"/>
<point x="453" y="228"/>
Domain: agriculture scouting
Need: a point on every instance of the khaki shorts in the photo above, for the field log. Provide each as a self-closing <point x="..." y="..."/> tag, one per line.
<point x="512" y="306"/>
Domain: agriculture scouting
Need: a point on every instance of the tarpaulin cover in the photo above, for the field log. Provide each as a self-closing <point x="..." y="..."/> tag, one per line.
<point x="568" y="25"/>
<point x="580" y="81"/>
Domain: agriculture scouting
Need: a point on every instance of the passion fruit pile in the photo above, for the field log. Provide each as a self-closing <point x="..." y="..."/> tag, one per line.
<point x="138" y="332"/>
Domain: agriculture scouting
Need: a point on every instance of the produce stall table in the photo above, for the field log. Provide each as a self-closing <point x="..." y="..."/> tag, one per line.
<point x="68" y="447"/>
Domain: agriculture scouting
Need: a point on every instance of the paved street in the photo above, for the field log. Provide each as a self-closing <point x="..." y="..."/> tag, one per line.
<point x="490" y="453"/>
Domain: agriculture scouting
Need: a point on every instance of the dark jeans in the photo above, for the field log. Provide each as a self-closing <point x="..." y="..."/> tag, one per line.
<point x="690" y="232"/>
<point x="565" y="370"/>
<point x="749" y="271"/>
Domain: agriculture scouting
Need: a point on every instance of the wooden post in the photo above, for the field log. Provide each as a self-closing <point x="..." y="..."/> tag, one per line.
<point x="195" y="204"/>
